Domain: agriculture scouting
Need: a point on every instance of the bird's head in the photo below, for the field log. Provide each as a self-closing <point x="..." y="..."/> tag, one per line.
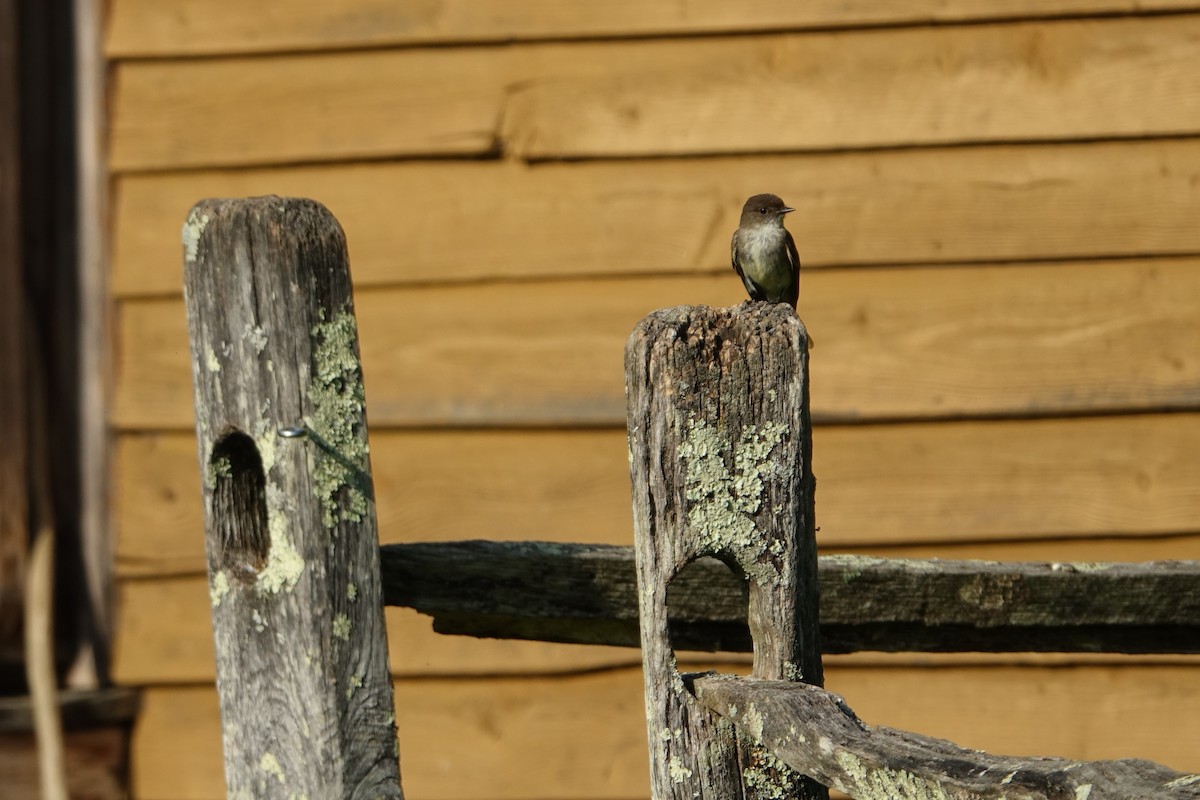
<point x="763" y="209"/>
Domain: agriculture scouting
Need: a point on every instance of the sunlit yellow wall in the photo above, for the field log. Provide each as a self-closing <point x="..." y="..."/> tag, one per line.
<point x="997" y="210"/>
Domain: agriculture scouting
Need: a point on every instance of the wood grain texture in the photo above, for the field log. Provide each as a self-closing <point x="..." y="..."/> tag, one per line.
<point x="140" y="28"/>
<point x="290" y="531"/>
<point x="1064" y="80"/>
<point x="1076" y="479"/>
<point x="893" y="344"/>
<point x="295" y="108"/>
<point x="517" y="738"/>
<point x="404" y="221"/>
<point x="720" y="460"/>
<point x="817" y="734"/>
<point x="1118" y="77"/>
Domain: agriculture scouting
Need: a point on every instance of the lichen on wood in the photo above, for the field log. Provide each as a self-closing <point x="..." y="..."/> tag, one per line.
<point x="720" y="463"/>
<point x="289" y="520"/>
<point x="338" y="400"/>
<point x="816" y="733"/>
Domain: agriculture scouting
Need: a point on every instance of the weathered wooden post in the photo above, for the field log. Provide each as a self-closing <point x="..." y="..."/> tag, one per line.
<point x="720" y="460"/>
<point x="293" y="555"/>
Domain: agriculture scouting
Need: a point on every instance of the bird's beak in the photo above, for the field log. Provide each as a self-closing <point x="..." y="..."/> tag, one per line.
<point x="787" y="210"/>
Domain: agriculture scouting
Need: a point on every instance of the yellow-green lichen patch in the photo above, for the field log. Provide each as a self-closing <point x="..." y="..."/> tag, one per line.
<point x="1083" y="792"/>
<point x="722" y="501"/>
<point x="193" y="228"/>
<point x="770" y="777"/>
<point x="211" y="362"/>
<point x="752" y="722"/>
<point x="880" y="783"/>
<point x="678" y="772"/>
<point x="988" y="592"/>
<point x="255" y="336"/>
<point x="356" y="683"/>
<point x="855" y="564"/>
<point x="266" y="438"/>
<point x="341" y="627"/>
<point x="219" y="588"/>
<point x="284" y="563"/>
<point x="270" y="765"/>
<point x="219" y="467"/>
<point x="1186" y="780"/>
<point x="351" y="592"/>
<point x="1087" y="566"/>
<point x="336" y="391"/>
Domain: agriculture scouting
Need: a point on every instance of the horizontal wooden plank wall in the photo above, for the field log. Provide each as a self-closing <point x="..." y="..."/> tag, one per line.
<point x="996" y="211"/>
<point x="152" y="27"/>
<point x="653" y="97"/>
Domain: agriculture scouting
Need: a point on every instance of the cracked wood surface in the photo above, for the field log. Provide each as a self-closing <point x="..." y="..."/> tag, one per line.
<point x="587" y="594"/>
<point x="816" y="733"/>
<point x="301" y="651"/>
<point x="720" y="458"/>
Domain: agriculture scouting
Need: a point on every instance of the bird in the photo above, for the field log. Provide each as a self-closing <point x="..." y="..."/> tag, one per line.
<point x="764" y="253"/>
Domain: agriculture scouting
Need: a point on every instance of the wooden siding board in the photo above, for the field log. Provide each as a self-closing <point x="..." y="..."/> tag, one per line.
<point x="453" y="221"/>
<point x="141" y="28"/>
<point x="890" y="344"/>
<point x="320" y="107"/>
<point x="1062" y="80"/>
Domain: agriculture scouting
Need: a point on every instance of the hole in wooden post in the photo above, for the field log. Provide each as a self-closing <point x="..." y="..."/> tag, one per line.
<point x="706" y="608"/>
<point x="239" y="506"/>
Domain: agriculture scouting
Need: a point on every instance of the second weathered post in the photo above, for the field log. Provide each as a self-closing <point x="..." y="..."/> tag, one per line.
<point x="720" y="461"/>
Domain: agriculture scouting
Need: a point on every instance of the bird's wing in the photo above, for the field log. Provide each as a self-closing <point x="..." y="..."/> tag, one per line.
<point x="794" y="263"/>
<point x="751" y="288"/>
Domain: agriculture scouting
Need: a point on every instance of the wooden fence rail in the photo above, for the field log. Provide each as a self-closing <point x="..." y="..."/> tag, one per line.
<point x="587" y="593"/>
<point x="720" y="462"/>
<point x="816" y="733"/>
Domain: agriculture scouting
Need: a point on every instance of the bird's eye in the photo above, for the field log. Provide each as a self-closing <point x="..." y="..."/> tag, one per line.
<point x="762" y="211"/>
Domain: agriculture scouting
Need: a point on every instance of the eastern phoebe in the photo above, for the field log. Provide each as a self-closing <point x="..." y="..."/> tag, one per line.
<point x="763" y="252"/>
